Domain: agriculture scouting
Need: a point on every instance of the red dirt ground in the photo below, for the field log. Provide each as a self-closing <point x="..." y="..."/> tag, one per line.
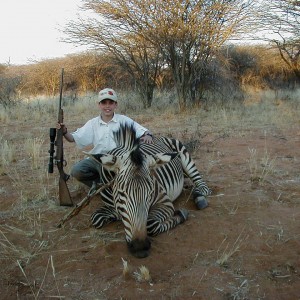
<point x="245" y="245"/>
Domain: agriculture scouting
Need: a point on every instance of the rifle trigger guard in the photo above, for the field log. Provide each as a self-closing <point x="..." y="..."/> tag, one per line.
<point x="65" y="163"/>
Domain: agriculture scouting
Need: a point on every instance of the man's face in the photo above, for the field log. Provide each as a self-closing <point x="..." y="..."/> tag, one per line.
<point x="107" y="107"/>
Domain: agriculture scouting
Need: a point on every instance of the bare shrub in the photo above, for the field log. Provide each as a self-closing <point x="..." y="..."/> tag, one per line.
<point x="8" y="90"/>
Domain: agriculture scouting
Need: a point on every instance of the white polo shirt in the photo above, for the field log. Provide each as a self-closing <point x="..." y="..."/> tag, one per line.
<point x="99" y="134"/>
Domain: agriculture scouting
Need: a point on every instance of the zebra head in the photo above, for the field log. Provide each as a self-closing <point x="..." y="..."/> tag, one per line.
<point x="135" y="189"/>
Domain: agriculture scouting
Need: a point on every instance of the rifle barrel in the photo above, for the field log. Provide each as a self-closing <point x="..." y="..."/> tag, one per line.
<point x="61" y="90"/>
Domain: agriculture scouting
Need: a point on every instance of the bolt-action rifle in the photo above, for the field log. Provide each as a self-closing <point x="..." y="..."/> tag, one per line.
<point x="64" y="193"/>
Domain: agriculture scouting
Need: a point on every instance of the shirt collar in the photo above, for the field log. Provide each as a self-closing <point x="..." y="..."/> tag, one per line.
<point x="114" y="119"/>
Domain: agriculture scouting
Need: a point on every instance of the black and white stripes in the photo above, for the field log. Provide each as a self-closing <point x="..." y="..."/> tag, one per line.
<point x="148" y="178"/>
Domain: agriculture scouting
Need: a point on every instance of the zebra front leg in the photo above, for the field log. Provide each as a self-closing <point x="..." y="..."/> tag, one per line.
<point x="200" y="200"/>
<point x="200" y="189"/>
<point x="162" y="218"/>
<point x="103" y="216"/>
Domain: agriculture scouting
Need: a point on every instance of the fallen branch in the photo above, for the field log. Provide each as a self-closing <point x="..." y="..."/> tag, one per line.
<point x="83" y="203"/>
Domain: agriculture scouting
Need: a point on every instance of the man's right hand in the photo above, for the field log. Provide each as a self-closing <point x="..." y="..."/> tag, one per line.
<point x="62" y="126"/>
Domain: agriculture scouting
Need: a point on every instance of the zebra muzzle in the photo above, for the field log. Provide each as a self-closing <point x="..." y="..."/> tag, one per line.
<point x="139" y="248"/>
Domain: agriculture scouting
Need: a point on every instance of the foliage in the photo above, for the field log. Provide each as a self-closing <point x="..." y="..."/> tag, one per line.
<point x="230" y="72"/>
<point x="8" y="87"/>
<point x="110" y="33"/>
<point x="258" y="66"/>
<point x="145" y="46"/>
<point x="281" y="18"/>
<point x="146" y="36"/>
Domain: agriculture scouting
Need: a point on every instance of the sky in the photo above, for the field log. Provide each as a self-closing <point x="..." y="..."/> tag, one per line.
<point x="30" y="29"/>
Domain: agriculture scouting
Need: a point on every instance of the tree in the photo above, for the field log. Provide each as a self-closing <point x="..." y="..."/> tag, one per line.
<point x="146" y="35"/>
<point x="281" y="20"/>
<point x="8" y="86"/>
<point x="43" y="77"/>
<point x="111" y="32"/>
<point x="189" y="34"/>
<point x="86" y="71"/>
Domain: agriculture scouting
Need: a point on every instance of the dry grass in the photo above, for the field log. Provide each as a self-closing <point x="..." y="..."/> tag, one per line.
<point x="21" y="153"/>
<point x="8" y="153"/>
<point x="36" y="290"/>
<point x="142" y="275"/>
<point x="126" y="268"/>
<point x="261" y="167"/>
<point x="196" y="125"/>
<point x="33" y="147"/>
<point x="4" y="116"/>
<point x="24" y="159"/>
<point x="14" y="251"/>
<point x="226" y="251"/>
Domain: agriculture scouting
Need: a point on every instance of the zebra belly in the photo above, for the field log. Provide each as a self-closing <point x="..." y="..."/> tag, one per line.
<point x="174" y="190"/>
<point x="171" y="175"/>
<point x="171" y="178"/>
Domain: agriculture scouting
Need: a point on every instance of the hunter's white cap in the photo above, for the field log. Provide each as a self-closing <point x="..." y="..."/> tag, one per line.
<point x="107" y="94"/>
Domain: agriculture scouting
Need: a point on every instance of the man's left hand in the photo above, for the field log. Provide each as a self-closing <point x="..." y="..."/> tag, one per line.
<point x="147" y="139"/>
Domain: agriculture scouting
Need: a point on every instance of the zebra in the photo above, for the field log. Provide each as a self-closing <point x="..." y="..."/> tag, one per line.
<point x="147" y="180"/>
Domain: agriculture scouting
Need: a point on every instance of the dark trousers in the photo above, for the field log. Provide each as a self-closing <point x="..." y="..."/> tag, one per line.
<point x="87" y="171"/>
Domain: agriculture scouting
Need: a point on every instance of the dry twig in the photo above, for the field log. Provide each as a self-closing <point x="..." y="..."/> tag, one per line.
<point x="83" y="203"/>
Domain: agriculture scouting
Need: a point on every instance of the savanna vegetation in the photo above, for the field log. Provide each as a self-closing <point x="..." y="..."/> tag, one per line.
<point x="247" y="238"/>
<point x="143" y="46"/>
<point x="236" y="107"/>
<point x="227" y="77"/>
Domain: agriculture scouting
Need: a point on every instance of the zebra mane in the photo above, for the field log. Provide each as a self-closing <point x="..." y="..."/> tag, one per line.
<point x="136" y="156"/>
<point x="126" y="139"/>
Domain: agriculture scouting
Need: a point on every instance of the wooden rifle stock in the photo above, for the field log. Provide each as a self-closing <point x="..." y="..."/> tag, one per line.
<point x="64" y="193"/>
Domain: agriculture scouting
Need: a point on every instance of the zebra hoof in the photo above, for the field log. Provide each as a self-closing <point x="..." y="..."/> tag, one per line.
<point x="183" y="214"/>
<point x="201" y="202"/>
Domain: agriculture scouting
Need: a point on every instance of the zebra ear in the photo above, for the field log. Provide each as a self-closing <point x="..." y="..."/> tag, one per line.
<point x="106" y="160"/>
<point x="160" y="159"/>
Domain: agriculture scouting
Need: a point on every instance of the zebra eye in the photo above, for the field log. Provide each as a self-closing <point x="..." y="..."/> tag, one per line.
<point x="122" y="194"/>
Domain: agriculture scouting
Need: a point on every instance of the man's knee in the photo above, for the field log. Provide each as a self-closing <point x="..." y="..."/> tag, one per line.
<point x="85" y="172"/>
<point x="77" y="171"/>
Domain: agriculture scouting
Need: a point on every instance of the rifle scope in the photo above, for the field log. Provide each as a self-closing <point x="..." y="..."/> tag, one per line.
<point x="52" y="135"/>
